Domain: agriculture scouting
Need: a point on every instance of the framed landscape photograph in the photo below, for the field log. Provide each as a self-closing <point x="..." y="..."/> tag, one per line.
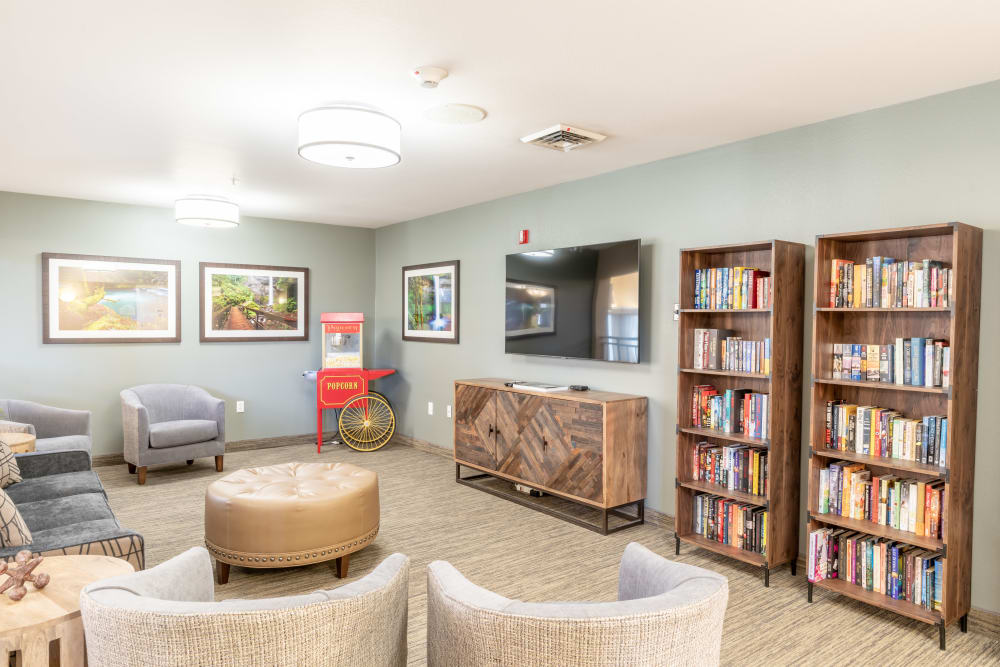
<point x="530" y="309"/>
<point x="102" y="299"/>
<point x="240" y="303"/>
<point x="430" y="302"/>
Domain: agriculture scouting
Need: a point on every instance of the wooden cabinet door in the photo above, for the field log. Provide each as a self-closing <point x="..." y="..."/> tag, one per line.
<point x="576" y="463"/>
<point x="514" y="412"/>
<point x="475" y="425"/>
<point x="554" y="443"/>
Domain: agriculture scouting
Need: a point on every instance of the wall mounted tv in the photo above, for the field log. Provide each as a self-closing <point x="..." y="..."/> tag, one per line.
<point x="580" y="302"/>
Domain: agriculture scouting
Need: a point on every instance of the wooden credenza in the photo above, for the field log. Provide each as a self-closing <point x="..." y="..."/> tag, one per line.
<point x="587" y="447"/>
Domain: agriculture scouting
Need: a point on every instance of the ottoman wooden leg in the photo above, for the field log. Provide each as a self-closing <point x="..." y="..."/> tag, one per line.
<point x="218" y="464"/>
<point x="190" y="461"/>
<point x="142" y="474"/>
<point x="342" y="564"/>
<point x="131" y="468"/>
<point x="222" y="572"/>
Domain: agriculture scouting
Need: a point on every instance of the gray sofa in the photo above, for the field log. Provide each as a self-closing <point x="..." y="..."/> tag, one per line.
<point x="167" y="616"/>
<point x="667" y="613"/>
<point x="170" y="423"/>
<point x="55" y="429"/>
<point x="66" y="509"/>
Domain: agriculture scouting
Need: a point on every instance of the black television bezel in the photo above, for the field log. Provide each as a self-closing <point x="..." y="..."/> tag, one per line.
<point x="638" y="264"/>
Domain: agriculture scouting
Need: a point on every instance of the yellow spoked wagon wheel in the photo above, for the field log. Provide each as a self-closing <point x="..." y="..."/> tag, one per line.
<point x="367" y="422"/>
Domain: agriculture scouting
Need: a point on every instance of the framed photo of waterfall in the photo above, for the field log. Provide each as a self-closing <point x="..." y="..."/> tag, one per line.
<point x="102" y="299"/>
<point x="430" y="302"/>
<point x="242" y="303"/>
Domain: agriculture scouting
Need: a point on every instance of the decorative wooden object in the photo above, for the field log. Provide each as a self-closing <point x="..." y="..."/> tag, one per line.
<point x="23" y="574"/>
<point x="782" y="323"/>
<point x="959" y="246"/>
<point x="588" y="447"/>
<point x="28" y="627"/>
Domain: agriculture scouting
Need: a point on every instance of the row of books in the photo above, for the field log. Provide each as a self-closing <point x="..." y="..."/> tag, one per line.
<point x="894" y="569"/>
<point x="884" y="282"/>
<point x="851" y="490"/>
<point x="720" y="349"/>
<point x="875" y="431"/>
<point x="921" y="362"/>
<point x="733" y="411"/>
<point x="729" y="522"/>
<point x="735" y="467"/>
<point x="732" y="288"/>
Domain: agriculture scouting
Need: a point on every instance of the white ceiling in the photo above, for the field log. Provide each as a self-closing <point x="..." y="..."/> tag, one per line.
<point x="140" y="102"/>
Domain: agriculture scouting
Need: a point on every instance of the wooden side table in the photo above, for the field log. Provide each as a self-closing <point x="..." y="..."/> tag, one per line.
<point x="53" y="612"/>
<point x="20" y="443"/>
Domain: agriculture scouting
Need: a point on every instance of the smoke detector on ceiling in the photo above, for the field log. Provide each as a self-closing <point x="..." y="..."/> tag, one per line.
<point x="430" y="76"/>
<point x="563" y="138"/>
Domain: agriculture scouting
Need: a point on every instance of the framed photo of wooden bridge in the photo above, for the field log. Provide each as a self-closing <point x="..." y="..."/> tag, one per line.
<point x="244" y="302"/>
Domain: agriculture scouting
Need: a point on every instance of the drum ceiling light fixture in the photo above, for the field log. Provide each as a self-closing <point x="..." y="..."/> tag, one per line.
<point x="349" y="136"/>
<point x="206" y="211"/>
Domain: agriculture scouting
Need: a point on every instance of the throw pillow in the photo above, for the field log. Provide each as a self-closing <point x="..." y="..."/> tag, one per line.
<point x="10" y="472"/>
<point x="13" y="531"/>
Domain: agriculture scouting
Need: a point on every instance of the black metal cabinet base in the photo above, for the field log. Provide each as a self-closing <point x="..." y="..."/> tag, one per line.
<point x="602" y="527"/>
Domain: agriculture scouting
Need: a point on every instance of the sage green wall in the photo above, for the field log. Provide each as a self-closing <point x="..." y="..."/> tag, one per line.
<point x="266" y="375"/>
<point x="927" y="161"/>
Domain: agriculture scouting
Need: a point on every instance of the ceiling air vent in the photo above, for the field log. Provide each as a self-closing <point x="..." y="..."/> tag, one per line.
<point x="563" y="138"/>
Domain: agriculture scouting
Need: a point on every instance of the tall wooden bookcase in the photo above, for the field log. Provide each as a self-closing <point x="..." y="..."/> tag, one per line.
<point x="782" y="323"/>
<point x="956" y="245"/>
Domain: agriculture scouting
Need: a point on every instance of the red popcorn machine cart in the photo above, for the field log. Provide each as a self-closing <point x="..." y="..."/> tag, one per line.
<point x="366" y="420"/>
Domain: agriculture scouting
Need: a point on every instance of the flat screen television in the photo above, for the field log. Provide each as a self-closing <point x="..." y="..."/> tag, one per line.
<point x="580" y="302"/>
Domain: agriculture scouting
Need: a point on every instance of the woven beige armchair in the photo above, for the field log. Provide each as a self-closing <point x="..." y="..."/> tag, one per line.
<point x="167" y="616"/>
<point x="667" y="613"/>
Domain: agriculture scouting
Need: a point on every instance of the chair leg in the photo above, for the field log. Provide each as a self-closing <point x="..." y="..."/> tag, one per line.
<point x="342" y="564"/>
<point x="131" y="468"/>
<point x="218" y="464"/>
<point x="190" y="461"/>
<point x="142" y="474"/>
<point x="222" y="572"/>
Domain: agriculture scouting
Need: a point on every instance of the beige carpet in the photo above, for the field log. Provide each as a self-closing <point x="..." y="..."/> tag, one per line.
<point x="525" y="554"/>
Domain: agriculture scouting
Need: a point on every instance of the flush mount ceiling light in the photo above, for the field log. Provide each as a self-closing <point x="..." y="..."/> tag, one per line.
<point x="349" y="136"/>
<point x="206" y="211"/>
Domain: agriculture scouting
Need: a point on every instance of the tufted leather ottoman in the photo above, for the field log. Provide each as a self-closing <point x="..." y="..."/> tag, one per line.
<point x="291" y="514"/>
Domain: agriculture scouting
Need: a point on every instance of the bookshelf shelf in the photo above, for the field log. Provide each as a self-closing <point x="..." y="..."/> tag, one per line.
<point x="728" y="311"/>
<point x="733" y="552"/>
<point x="708" y="487"/>
<point x="783" y="324"/>
<point x="958" y="247"/>
<point x="722" y="435"/>
<point x="882" y="462"/>
<point x="935" y="309"/>
<point x="884" y="386"/>
<point x="735" y="374"/>
<point x="878" y="530"/>
<point x="901" y="607"/>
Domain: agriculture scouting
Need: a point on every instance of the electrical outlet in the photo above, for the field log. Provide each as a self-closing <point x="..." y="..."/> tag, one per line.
<point x="430" y="407"/>
<point x="241" y="406"/>
<point x="448" y="410"/>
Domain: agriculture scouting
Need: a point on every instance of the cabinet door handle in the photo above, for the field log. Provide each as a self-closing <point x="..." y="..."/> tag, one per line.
<point x="491" y="429"/>
<point x="545" y="443"/>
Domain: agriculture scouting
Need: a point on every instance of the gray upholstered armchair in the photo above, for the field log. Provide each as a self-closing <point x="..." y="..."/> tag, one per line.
<point x="55" y="429"/>
<point x="167" y="616"/>
<point x="169" y="423"/>
<point x="667" y="613"/>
